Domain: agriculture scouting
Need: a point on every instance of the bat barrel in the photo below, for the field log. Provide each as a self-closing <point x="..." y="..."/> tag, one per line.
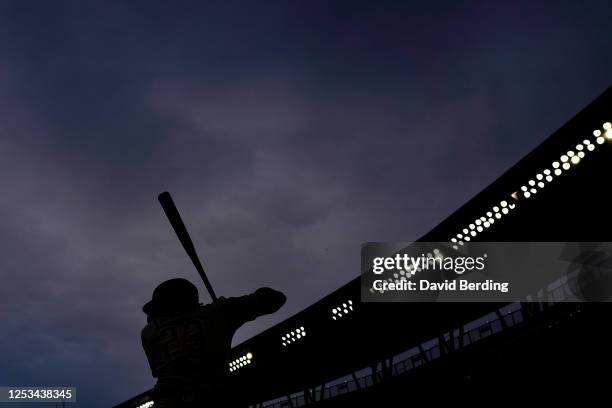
<point x="165" y="199"/>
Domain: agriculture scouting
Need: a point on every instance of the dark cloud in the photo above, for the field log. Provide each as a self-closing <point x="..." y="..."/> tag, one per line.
<point x="288" y="134"/>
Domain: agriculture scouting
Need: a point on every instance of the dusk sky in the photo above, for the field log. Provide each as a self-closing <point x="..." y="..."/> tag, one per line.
<point x="288" y="133"/>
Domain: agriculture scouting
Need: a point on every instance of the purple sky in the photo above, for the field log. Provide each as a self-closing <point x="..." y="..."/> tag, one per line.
<point x="288" y="133"/>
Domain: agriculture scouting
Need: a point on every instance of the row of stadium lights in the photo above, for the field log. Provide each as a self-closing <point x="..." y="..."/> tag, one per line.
<point x="504" y="207"/>
<point x="300" y="333"/>
<point x="342" y="310"/>
<point x="146" y="404"/>
<point x="240" y="362"/>
<point x="482" y="223"/>
<point x="564" y="163"/>
<point x="293" y="336"/>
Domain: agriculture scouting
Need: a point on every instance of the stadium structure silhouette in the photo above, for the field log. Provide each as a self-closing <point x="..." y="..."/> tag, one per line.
<point x="340" y="351"/>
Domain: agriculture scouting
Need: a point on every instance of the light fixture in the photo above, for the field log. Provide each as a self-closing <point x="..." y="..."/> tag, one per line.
<point x="529" y="189"/>
<point x="240" y="362"/>
<point x="293" y="336"/>
<point x="342" y="310"/>
<point x="146" y="404"/>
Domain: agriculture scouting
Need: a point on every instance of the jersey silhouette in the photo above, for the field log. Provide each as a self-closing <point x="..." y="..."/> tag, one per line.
<point x="188" y="344"/>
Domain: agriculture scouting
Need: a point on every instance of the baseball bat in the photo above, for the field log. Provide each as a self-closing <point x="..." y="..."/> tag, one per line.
<point x="165" y="199"/>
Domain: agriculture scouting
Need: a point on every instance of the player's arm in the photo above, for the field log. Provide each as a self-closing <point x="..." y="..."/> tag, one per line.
<point x="268" y="300"/>
<point x="261" y="302"/>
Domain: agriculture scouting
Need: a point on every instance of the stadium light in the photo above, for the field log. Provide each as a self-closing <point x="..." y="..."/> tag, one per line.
<point x="342" y="310"/>
<point x="293" y="336"/>
<point x="530" y="189"/>
<point x="240" y="362"/>
<point x="146" y="404"/>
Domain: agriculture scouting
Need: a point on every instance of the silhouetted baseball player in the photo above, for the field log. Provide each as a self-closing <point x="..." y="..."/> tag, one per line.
<point x="188" y="344"/>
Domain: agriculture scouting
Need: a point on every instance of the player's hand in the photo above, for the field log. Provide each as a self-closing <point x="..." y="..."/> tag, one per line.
<point x="270" y="300"/>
